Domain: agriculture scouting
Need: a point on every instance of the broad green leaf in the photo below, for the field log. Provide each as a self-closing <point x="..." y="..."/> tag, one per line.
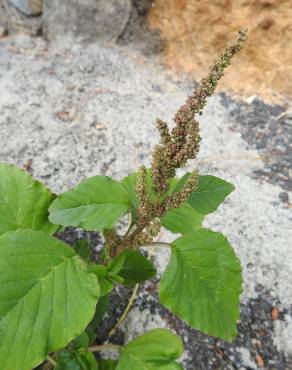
<point x="76" y="360"/>
<point x="202" y="283"/>
<point x="210" y="193"/>
<point x="107" y="364"/>
<point x="182" y="220"/>
<point x="95" y="204"/>
<point x="24" y="202"/>
<point x="156" y="350"/>
<point x="47" y="297"/>
<point x="82" y="247"/>
<point x="136" y="268"/>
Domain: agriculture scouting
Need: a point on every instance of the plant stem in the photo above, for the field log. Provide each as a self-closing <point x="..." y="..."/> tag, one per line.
<point x="104" y="347"/>
<point x="51" y="360"/>
<point x="126" y="311"/>
<point x="130" y="303"/>
<point x="130" y="225"/>
<point x="158" y="244"/>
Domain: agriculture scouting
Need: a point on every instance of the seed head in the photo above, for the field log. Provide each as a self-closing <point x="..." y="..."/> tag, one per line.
<point x="183" y="143"/>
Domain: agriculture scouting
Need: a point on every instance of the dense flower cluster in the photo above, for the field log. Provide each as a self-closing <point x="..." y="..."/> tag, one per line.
<point x="176" y="147"/>
<point x="183" y="143"/>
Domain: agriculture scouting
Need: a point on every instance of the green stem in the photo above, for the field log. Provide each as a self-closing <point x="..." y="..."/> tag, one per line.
<point x="126" y="311"/>
<point x="51" y="360"/>
<point x="104" y="347"/>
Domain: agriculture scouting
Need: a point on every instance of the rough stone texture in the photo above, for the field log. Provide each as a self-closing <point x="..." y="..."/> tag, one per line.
<point x="85" y="20"/>
<point x="137" y="33"/>
<point x="3" y="31"/>
<point x="90" y="110"/>
<point x="13" y="21"/>
<point x="255" y="341"/>
<point x="28" y="7"/>
<point x="269" y="130"/>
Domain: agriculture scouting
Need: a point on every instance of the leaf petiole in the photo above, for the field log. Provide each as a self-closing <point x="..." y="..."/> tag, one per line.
<point x="104" y="347"/>
<point x="51" y="360"/>
<point x="158" y="244"/>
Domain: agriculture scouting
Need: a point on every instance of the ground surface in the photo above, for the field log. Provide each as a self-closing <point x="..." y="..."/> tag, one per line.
<point x="85" y="111"/>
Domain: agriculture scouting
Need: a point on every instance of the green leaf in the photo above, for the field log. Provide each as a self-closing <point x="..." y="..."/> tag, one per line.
<point x="156" y="350"/>
<point x="178" y="184"/>
<point x="76" y="360"/>
<point x="136" y="268"/>
<point x="95" y="204"/>
<point x="202" y="283"/>
<point x="210" y="193"/>
<point x="82" y="341"/>
<point x="182" y="220"/>
<point x="129" y="183"/>
<point x="100" y="311"/>
<point x="24" y="202"/>
<point x="87" y="360"/>
<point x="66" y="361"/>
<point x="115" y="265"/>
<point x="82" y="247"/>
<point x="107" y="364"/>
<point x="175" y="185"/>
<point x="128" y="268"/>
<point x="47" y="297"/>
<point x="106" y="285"/>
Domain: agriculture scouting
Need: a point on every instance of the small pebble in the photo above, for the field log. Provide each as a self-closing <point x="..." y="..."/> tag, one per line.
<point x="28" y="7"/>
<point x="275" y="313"/>
<point x="3" y="31"/>
<point x="260" y="361"/>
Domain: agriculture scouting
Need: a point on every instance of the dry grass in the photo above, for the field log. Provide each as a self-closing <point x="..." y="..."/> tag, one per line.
<point x="195" y="30"/>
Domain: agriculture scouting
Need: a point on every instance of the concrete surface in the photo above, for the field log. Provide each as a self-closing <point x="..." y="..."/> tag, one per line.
<point x="90" y="110"/>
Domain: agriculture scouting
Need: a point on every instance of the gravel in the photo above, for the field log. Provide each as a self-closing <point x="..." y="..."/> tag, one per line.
<point x="90" y="110"/>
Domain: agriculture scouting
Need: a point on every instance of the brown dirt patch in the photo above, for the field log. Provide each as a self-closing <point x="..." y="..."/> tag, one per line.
<point x="195" y="30"/>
